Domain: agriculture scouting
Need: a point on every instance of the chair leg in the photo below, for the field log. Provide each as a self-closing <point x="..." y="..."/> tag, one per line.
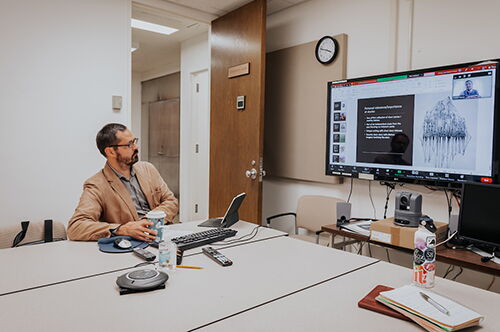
<point x="317" y="238"/>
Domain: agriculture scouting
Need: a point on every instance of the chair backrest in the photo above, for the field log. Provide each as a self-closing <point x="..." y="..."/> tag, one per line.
<point x="316" y="211"/>
<point x="34" y="233"/>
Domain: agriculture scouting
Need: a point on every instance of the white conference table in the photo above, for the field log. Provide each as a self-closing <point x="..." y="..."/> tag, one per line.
<point x="333" y="305"/>
<point x="28" y="267"/>
<point x="262" y="272"/>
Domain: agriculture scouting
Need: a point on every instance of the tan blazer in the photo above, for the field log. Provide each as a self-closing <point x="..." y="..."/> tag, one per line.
<point x="106" y="204"/>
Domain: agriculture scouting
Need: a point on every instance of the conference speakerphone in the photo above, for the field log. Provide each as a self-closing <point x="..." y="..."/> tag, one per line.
<point x="141" y="281"/>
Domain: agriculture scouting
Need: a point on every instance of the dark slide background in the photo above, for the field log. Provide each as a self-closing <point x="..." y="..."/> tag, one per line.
<point x="379" y="119"/>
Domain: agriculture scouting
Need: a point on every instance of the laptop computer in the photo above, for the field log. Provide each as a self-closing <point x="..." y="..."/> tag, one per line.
<point x="231" y="216"/>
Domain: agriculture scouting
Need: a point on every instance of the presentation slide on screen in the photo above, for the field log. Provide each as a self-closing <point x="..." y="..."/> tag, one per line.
<point x="386" y="125"/>
<point x="440" y="123"/>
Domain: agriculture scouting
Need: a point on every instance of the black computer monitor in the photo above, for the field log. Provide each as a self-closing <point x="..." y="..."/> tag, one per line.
<point x="434" y="126"/>
<point x="479" y="219"/>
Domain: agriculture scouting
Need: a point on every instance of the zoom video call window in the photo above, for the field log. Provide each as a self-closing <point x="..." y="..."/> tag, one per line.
<point x="427" y="125"/>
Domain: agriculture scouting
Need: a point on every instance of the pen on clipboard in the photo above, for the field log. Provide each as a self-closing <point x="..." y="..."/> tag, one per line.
<point x="435" y="304"/>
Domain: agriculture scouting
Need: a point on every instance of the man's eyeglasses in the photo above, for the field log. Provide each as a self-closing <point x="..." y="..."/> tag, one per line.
<point x="129" y="145"/>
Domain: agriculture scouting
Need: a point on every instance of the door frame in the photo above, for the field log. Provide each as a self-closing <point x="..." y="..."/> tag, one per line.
<point x="187" y="168"/>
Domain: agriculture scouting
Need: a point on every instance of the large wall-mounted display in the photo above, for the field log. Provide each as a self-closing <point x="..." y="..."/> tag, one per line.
<point x="434" y="126"/>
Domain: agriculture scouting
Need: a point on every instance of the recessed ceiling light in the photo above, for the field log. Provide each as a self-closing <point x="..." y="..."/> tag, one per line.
<point x="143" y="25"/>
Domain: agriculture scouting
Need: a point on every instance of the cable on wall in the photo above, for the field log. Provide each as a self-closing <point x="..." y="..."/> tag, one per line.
<point x="350" y="192"/>
<point x="371" y="199"/>
<point x="388" y="190"/>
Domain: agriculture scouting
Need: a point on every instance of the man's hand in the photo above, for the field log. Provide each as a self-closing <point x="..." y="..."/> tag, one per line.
<point x="138" y="230"/>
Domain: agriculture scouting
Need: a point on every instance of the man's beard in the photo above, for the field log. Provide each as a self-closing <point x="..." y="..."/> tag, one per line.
<point x="128" y="161"/>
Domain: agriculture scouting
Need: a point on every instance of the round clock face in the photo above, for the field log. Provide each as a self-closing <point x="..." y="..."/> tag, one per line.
<point x="326" y="49"/>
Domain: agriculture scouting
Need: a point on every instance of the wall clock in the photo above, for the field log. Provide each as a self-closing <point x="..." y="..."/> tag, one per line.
<point x="327" y="49"/>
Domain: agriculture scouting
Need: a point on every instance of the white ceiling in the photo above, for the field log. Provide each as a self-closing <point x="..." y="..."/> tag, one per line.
<point x="156" y="51"/>
<point x="221" y="7"/>
<point x="158" y="54"/>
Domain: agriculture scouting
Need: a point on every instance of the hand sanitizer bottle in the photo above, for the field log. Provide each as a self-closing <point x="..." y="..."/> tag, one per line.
<point x="167" y="251"/>
<point x="163" y="253"/>
<point x="424" y="256"/>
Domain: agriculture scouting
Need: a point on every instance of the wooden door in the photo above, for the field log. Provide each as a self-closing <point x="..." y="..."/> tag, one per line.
<point x="236" y="136"/>
<point x="164" y="144"/>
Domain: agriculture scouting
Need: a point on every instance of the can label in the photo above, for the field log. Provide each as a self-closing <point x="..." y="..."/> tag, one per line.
<point x="424" y="261"/>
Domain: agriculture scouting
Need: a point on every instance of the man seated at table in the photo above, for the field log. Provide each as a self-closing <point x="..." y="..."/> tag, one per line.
<point x="116" y="200"/>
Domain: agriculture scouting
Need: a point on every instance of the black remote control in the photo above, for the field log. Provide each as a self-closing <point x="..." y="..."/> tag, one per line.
<point x="144" y="254"/>
<point x="217" y="256"/>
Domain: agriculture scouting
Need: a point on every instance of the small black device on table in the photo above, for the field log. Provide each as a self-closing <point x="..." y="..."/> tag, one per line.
<point x="217" y="256"/>
<point x="149" y="256"/>
<point x="144" y="254"/>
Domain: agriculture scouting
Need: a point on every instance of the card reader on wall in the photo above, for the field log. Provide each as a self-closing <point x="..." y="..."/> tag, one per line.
<point x="240" y="103"/>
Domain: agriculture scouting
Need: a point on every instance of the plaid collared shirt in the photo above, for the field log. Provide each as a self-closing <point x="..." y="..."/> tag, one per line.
<point x="135" y="191"/>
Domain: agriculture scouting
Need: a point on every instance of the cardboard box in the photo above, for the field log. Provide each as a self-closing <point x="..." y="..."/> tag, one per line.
<point x="385" y="231"/>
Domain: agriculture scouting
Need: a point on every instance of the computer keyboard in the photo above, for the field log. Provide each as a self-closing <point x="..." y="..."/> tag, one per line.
<point x="201" y="238"/>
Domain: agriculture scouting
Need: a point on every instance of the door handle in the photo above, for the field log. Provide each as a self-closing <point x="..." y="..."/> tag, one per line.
<point x="252" y="173"/>
<point x="161" y="153"/>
